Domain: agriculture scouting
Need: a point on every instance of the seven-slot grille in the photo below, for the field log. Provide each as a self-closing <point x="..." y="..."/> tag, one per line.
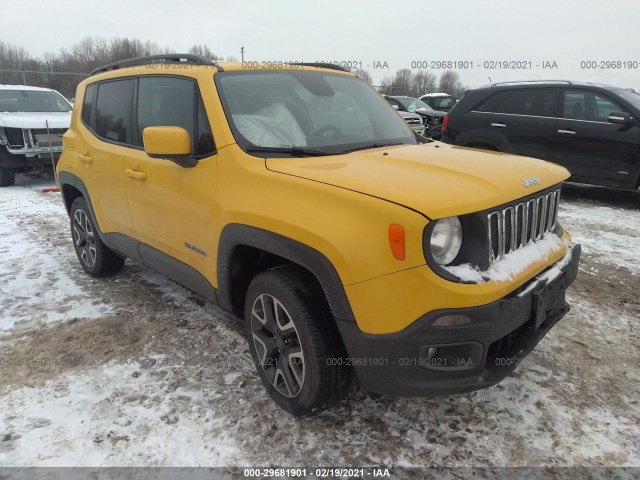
<point x="516" y="225"/>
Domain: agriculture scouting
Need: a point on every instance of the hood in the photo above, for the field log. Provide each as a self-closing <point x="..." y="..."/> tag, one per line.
<point x="35" y="119"/>
<point x="430" y="112"/>
<point x="436" y="179"/>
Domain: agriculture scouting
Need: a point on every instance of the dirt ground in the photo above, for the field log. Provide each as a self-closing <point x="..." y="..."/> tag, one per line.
<point x="136" y="370"/>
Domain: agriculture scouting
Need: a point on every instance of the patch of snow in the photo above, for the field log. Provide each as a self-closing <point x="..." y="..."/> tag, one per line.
<point x="38" y="282"/>
<point x="512" y="264"/>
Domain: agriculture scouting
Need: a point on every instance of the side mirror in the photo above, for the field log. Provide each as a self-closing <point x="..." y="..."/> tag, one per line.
<point x="395" y="107"/>
<point x="172" y="143"/>
<point x="620" y="118"/>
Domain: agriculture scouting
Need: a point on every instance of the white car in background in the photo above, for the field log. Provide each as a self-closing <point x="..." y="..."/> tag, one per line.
<point x="32" y="122"/>
<point x="442" y="102"/>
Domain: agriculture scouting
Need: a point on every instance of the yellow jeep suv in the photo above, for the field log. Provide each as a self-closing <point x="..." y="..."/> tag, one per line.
<point x="294" y="196"/>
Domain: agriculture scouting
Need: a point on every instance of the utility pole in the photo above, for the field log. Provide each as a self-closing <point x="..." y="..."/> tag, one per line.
<point x="242" y="53"/>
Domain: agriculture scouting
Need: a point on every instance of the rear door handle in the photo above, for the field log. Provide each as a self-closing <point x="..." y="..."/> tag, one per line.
<point x="498" y="125"/>
<point x="566" y="132"/>
<point x="84" y="158"/>
<point x="134" y="174"/>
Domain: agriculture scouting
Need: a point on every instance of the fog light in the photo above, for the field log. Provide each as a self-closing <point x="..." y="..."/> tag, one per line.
<point x="451" y="321"/>
<point x="432" y="352"/>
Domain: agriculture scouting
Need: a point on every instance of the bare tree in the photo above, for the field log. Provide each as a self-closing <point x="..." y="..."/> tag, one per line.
<point x="204" y="51"/>
<point x="365" y="75"/>
<point x="385" y="85"/>
<point x="402" y="82"/>
<point x="450" y="82"/>
<point x="424" y="82"/>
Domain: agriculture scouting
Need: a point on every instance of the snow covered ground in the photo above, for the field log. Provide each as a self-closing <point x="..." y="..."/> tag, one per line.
<point x="134" y="370"/>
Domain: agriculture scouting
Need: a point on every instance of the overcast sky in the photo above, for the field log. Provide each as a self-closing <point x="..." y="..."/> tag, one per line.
<point x="562" y="31"/>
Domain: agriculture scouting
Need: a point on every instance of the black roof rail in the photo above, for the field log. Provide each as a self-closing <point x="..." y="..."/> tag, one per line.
<point x="331" y="66"/>
<point x="500" y="84"/>
<point x="167" y="57"/>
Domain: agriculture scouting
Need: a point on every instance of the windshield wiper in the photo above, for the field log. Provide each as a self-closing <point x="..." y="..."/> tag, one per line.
<point x="293" y="151"/>
<point x="371" y="145"/>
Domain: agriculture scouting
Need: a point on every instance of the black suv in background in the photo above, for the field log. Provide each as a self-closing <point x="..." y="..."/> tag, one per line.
<point x="592" y="129"/>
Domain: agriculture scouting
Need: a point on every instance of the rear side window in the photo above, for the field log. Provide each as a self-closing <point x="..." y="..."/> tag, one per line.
<point x="172" y="101"/>
<point x="113" y="110"/>
<point x="87" y="105"/>
<point x="532" y="102"/>
<point x="494" y="103"/>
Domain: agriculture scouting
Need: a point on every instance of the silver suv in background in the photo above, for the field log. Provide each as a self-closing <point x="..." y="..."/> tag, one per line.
<point x="32" y="122"/>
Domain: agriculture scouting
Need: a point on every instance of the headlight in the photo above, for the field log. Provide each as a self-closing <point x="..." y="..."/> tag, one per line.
<point x="446" y="240"/>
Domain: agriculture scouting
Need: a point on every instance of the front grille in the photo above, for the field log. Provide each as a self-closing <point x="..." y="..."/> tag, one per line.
<point x="41" y="137"/>
<point x="515" y="226"/>
<point x="413" y="121"/>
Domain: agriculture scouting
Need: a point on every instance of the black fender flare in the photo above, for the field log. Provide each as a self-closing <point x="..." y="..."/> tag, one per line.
<point x="234" y="235"/>
<point x="66" y="178"/>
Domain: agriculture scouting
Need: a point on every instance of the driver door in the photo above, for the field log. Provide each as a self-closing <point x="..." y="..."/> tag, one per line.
<point x="170" y="205"/>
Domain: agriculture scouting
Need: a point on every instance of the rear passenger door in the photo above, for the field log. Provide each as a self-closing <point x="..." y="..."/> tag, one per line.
<point x="106" y="114"/>
<point x="591" y="147"/>
<point x="525" y="122"/>
<point x="172" y="206"/>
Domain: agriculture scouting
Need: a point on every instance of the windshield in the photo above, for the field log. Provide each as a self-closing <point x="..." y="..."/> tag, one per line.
<point x="322" y="113"/>
<point x="32" y="101"/>
<point x="630" y="96"/>
<point x="412" y="103"/>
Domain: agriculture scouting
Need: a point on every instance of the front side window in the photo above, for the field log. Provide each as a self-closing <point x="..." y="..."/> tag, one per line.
<point x="605" y="107"/>
<point x="113" y="110"/>
<point x="329" y="113"/>
<point x="173" y="102"/>
<point x="589" y="106"/>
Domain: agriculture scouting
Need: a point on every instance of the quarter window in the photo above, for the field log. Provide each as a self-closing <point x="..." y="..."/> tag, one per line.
<point x="87" y="104"/>
<point x="113" y="110"/>
<point x="495" y="103"/>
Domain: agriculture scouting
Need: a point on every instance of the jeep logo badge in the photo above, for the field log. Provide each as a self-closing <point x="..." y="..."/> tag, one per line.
<point x="528" y="182"/>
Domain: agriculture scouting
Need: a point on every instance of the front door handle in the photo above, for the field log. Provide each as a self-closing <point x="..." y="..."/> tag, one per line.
<point x="84" y="158"/>
<point x="134" y="174"/>
<point x="498" y="125"/>
<point x="566" y="132"/>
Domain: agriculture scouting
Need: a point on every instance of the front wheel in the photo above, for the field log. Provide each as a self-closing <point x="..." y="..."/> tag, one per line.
<point x="294" y="342"/>
<point x="95" y="257"/>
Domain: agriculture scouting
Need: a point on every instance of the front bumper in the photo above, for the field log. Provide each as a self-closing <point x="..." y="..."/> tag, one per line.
<point x="469" y="357"/>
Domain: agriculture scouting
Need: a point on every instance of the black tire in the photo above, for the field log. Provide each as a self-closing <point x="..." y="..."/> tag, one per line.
<point x="314" y="337"/>
<point x="7" y="177"/>
<point x="95" y="257"/>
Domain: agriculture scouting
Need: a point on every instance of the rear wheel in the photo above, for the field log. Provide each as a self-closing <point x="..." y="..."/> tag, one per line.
<point x="95" y="257"/>
<point x="294" y="342"/>
<point x="7" y="177"/>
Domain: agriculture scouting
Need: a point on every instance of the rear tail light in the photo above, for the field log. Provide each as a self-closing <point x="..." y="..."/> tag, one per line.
<point x="445" y="123"/>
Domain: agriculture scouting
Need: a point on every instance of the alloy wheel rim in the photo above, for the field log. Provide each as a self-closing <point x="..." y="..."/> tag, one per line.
<point x="277" y="345"/>
<point x="83" y="238"/>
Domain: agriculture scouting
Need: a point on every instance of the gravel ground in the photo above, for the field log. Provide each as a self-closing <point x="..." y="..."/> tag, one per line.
<point x="135" y="370"/>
